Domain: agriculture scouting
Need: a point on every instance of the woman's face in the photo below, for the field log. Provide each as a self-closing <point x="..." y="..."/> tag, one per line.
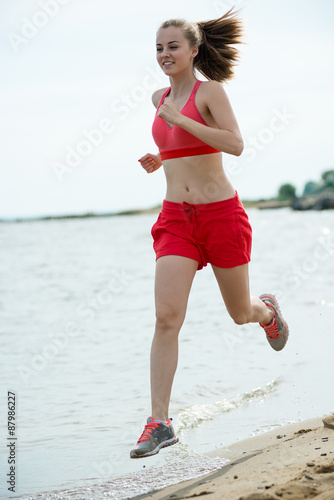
<point x="174" y="53"/>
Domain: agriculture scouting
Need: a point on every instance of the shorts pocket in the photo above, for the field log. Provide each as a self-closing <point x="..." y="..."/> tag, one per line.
<point x="155" y="226"/>
<point x="245" y="233"/>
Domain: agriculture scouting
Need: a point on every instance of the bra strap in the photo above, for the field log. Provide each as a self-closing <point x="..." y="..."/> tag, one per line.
<point x="163" y="97"/>
<point x="193" y="93"/>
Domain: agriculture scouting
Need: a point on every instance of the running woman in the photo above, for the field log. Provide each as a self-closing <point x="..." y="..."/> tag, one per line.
<point x="202" y="218"/>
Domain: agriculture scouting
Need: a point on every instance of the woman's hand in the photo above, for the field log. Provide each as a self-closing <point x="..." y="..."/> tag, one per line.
<point x="150" y="162"/>
<point x="170" y="112"/>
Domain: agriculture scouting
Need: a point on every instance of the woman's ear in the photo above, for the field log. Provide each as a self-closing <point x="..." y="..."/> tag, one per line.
<point x="194" y="51"/>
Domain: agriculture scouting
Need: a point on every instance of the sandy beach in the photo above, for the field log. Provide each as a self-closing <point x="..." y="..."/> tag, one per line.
<point x="291" y="462"/>
<point x="230" y="385"/>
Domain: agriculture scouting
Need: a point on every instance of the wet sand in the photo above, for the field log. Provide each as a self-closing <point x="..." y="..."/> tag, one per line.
<point x="292" y="462"/>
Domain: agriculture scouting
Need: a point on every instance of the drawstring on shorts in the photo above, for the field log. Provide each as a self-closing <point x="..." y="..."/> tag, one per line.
<point x="189" y="212"/>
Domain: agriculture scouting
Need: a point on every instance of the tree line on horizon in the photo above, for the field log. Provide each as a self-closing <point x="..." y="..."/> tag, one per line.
<point x="288" y="191"/>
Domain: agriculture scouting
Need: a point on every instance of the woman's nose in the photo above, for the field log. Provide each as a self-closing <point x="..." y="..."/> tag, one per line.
<point x="165" y="52"/>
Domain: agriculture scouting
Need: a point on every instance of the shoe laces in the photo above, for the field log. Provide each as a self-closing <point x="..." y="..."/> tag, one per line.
<point x="148" y="431"/>
<point x="272" y="331"/>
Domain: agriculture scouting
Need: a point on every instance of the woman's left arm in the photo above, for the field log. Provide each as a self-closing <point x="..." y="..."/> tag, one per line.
<point x="227" y="137"/>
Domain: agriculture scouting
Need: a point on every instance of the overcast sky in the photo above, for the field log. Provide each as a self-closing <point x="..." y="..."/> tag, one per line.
<point x="76" y="113"/>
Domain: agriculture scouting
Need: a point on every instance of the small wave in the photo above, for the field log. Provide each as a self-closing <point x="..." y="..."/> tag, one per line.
<point x="194" y="416"/>
<point x="181" y="464"/>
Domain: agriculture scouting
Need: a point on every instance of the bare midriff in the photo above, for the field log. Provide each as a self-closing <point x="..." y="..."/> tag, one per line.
<point x="197" y="179"/>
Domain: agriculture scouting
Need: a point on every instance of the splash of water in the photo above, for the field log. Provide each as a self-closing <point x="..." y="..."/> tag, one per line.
<point x="195" y="415"/>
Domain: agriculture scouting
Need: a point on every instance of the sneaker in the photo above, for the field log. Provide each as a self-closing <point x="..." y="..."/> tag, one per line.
<point x="277" y="331"/>
<point x="156" y="435"/>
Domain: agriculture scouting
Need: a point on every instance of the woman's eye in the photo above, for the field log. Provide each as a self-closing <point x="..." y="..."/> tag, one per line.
<point x="159" y="49"/>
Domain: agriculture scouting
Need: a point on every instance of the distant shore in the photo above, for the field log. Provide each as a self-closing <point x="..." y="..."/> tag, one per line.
<point x="86" y="215"/>
<point x="321" y="202"/>
<point x="261" y="204"/>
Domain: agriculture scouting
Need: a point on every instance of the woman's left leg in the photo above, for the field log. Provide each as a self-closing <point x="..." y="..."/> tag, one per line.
<point x="234" y="286"/>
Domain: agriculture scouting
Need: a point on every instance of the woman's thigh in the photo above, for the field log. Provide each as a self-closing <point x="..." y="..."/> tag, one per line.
<point x="234" y="286"/>
<point x="173" y="279"/>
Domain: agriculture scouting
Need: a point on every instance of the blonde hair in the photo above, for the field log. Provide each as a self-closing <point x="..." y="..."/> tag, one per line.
<point x="216" y="56"/>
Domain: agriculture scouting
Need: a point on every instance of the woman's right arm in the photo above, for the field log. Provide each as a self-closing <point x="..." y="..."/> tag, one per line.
<point x="151" y="162"/>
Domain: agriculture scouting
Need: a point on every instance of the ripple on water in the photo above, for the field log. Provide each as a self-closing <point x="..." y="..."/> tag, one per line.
<point x="181" y="464"/>
<point x="194" y="416"/>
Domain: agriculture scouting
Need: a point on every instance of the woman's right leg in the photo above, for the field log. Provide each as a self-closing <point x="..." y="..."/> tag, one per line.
<point x="173" y="280"/>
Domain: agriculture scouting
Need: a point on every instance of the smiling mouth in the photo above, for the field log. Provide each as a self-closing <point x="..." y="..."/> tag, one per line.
<point x="167" y="63"/>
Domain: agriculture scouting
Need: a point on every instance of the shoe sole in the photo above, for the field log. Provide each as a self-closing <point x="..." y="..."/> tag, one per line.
<point x="164" y="444"/>
<point x="273" y="298"/>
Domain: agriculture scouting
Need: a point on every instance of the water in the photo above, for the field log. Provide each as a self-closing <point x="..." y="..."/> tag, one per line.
<point x="77" y="316"/>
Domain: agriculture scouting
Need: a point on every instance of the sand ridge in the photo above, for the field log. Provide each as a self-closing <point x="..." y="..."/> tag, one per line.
<point x="293" y="462"/>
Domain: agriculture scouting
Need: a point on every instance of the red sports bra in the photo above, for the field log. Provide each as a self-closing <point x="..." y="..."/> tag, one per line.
<point x="175" y="142"/>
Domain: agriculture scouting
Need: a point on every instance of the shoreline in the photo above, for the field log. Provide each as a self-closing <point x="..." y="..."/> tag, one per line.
<point x="88" y="215"/>
<point x="322" y="202"/>
<point x="295" y="461"/>
<point x="259" y="204"/>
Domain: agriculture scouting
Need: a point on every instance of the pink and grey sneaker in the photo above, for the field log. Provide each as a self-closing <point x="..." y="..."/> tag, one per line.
<point x="277" y="331"/>
<point x="155" y="436"/>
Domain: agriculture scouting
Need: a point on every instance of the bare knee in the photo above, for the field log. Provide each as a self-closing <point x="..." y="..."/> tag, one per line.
<point x="168" y="319"/>
<point x="240" y="320"/>
<point x="241" y="317"/>
<point x="251" y="314"/>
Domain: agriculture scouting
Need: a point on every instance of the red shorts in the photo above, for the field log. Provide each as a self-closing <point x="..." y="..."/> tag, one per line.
<point x="218" y="233"/>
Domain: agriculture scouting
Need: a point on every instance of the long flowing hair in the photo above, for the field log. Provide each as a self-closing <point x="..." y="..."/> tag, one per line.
<point x="215" y="40"/>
